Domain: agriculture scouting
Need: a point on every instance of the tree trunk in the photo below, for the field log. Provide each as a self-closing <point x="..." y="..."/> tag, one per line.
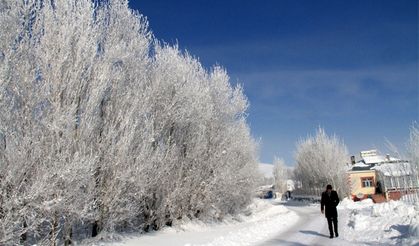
<point x="96" y="228"/>
<point x="68" y="235"/>
<point x="53" y="231"/>
<point x="24" y="235"/>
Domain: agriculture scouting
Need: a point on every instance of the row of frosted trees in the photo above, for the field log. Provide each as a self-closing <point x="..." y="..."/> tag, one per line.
<point x="103" y="128"/>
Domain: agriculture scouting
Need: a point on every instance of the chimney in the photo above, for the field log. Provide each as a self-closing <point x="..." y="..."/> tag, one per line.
<point x="353" y="160"/>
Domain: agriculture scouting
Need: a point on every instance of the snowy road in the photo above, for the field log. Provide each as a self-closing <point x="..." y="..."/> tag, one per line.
<point x="272" y="222"/>
<point x="264" y="220"/>
<point x="310" y="229"/>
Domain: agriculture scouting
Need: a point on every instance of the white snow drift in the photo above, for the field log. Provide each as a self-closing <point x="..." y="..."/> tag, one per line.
<point x="390" y="223"/>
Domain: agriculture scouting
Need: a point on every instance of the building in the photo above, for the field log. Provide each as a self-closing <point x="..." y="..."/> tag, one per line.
<point x="396" y="179"/>
<point x="362" y="181"/>
<point x="381" y="177"/>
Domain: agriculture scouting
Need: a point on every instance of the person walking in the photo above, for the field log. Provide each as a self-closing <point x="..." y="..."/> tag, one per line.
<point x="329" y="201"/>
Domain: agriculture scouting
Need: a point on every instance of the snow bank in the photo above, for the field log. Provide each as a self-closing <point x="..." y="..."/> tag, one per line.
<point x="349" y="204"/>
<point x="393" y="222"/>
<point x="259" y="222"/>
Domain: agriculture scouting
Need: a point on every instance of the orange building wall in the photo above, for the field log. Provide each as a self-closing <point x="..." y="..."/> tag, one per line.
<point x="356" y="185"/>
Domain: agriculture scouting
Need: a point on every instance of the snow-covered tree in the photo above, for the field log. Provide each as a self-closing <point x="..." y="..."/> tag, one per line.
<point x="104" y="128"/>
<point x="413" y="146"/>
<point x="321" y="160"/>
<point x="413" y="153"/>
<point x="280" y="173"/>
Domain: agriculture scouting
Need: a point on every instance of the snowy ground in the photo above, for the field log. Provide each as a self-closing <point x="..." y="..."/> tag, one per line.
<point x="271" y="222"/>
<point x="360" y="223"/>
<point x="390" y="223"/>
<point x="309" y="229"/>
<point x="263" y="220"/>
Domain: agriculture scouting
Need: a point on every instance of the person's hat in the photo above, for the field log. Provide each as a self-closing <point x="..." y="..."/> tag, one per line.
<point x="329" y="187"/>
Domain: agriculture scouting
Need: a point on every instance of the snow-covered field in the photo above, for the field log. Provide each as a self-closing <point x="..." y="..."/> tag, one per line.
<point x="272" y="222"/>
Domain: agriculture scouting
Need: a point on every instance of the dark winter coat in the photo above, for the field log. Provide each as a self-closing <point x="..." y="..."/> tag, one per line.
<point x="329" y="203"/>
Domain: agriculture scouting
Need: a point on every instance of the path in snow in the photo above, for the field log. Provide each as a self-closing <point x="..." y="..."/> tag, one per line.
<point x="270" y="223"/>
<point x="310" y="229"/>
<point x="263" y="221"/>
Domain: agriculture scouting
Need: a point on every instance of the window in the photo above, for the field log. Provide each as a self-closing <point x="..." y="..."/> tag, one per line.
<point x="367" y="182"/>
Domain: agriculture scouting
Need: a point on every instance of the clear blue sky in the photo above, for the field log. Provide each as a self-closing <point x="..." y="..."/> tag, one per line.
<point x="348" y="66"/>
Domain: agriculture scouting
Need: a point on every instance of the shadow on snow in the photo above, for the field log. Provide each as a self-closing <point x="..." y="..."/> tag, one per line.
<point x="314" y="233"/>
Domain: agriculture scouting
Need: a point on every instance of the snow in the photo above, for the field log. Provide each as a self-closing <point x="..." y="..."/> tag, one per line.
<point x="309" y="229"/>
<point x="272" y="222"/>
<point x="266" y="169"/>
<point x="389" y="223"/>
<point x="360" y="164"/>
<point x="394" y="169"/>
<point x="374" y="159"/>
<point x="261" y="220"/>
<point x="360" y="223"/>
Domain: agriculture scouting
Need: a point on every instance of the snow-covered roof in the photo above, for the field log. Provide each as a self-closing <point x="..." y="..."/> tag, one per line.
<point x="360" y="164"/>
<point x="394" y="169"/>
<point x="374" y="159"/>
<point x="388" y="165"/>
<point x="266" y="169"/>
<point x="380" y="159"/>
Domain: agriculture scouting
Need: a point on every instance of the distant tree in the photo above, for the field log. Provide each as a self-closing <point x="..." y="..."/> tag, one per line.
<point x="321" y="160"/>
<point x="413" y="153"/>
<point x="413" y="145"/>
<point x="280" y="173"/>
<point x="102" y="125"/>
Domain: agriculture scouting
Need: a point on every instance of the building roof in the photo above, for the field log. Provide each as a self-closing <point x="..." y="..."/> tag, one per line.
<point x="360" y="166"/>
<point x="389" y="166"/>
<point x="394" y="169"/>
<point x="374" y="159"/>
<point x="380" y="159"/>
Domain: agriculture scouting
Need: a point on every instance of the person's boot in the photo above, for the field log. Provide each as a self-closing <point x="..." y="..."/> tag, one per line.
<point x="336" y="234"/>
<point x="331" y="236"/>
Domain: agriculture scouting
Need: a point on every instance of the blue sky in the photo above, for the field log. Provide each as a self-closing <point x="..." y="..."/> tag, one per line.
<point x="348" y="66"/>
